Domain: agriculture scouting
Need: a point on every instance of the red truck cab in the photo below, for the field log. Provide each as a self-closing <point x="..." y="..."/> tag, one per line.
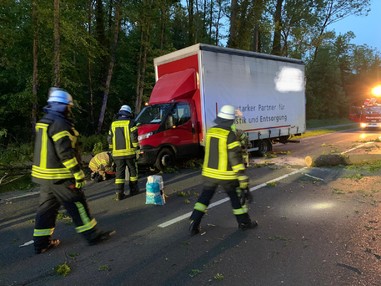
<point x="168" y="127"/>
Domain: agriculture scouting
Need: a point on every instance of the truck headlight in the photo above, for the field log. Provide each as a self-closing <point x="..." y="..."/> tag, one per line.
<point x="363" y="125"/>
<point x="144" y="136"/>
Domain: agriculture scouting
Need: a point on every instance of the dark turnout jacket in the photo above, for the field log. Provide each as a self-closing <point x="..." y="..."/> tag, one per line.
<point x="55" y="152"/>
<point x="223" y="154"/>
<point x="123" y="137"/>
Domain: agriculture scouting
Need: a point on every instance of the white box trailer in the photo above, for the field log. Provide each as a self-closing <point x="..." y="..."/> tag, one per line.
<point x="268" y="90"/>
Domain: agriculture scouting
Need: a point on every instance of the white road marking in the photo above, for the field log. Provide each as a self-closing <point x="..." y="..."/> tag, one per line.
<point x="316" y="178"/>
<point x="354" y="148"/>
<point x="26" y="243"/>
<point x="187" y="215"/>
<point x="22" y="196"/>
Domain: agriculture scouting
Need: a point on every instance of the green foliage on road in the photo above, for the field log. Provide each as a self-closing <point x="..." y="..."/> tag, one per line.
<point x="63" y="269"/>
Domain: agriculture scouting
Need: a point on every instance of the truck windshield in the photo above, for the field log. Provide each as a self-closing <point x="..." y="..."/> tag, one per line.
<point x="153" y="114"/>
<point x="374" y="110"/>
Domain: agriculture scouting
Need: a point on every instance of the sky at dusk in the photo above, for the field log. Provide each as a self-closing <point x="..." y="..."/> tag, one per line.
<point x="367" y="29"/>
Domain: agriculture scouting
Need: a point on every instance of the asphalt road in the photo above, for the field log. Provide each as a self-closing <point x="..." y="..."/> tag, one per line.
<point x="309" y="233"/>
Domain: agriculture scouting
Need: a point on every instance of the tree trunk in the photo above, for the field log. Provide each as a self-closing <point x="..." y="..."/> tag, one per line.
<point x="35" y="66"/>
<point x="100" y="35"/>
<point x="232" y="41"/>
<point x="278" y="28"/>
<point x="89" y="67"/>
<point x="191" y="33"/>
<point x="256" y="47"/>
<point x="142" y="64"/>
<point x="325" y="160"/>
<point x="110" y="66"/>
<point x="57" y="63"/>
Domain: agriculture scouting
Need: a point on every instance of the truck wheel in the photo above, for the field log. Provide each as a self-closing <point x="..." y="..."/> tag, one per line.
<point x="264" y="146"/>
<point x="165" y="158"/>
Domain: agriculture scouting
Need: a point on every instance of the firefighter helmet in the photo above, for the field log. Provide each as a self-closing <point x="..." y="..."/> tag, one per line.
<point x="227" y="112"/>
<point x="126" y="108"/>
<point x="58" y="95"/>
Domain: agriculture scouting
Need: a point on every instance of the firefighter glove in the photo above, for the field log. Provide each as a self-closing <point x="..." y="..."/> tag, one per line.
<point x="248" y="196"/>
<point x="244" y="196"/>
<point x="79" y="179"/>
<point x="80" y="184"/>
<point x="243" y="182"/>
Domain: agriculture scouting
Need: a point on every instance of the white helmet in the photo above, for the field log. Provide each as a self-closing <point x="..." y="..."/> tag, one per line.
<point x="126" y="108"/>
<point x="60" y="96"/>
<point x="227" y="112"/>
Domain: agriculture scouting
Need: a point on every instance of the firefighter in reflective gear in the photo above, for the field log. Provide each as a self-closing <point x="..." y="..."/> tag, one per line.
<point x="223" y="166"/>
<point x="102" y="166"/>
<point x="123" y="141"/>
<point x="56" y="168"/>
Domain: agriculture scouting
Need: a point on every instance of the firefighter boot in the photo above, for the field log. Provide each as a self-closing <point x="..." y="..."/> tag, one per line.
<point x="120" y="196"/>
<point x="51" y="244"/>
<point x="100" y="236"/>
<point x="244" y="222"/>
<point x="194" y="227"/>
<point x="134" y="188"/>
<point x="195" y="221"/>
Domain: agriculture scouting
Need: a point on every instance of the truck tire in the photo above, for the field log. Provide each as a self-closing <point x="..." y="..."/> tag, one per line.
<point x="263" y="146"/>
<point x="165" y="158"/>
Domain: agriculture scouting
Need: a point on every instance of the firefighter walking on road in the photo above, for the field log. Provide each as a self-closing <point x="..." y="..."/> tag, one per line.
<point x="56" y="167"/>
<point x="223" y="165"/>
<point x="123" y="141"/>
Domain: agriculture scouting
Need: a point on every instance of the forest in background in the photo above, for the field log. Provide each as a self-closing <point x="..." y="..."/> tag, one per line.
<point x="102" y="52"/>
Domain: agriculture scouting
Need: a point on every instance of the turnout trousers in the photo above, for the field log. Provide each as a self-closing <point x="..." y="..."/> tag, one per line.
<point x="52" y="197"/>
<point x="209" y="187"/>
<point x="120" y="176"/>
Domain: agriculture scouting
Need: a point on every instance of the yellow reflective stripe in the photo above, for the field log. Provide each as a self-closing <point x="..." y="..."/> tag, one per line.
<point x="200" y="207"/>
<point x="133" y="179"/>
<point x="90" y="225"/>
<point x="207" y="151"/>
<point x="233" y="145"/>
<point x="70" y="163"/>
<point x="118" y="153"/>
<point x="219" y="133"/>
<point x="223" y="158"/>
<point x="50" y="170"/>
<point x="60" y="135"/>
<point x="217" y="174"/>
<point x="43" y="232"/>
<point x="51" y="177"/>
<point x="242" y="178"/>
<point x="79" y="175"/>
<point x="87" y="223"/>
<point x="133" y="129"/>
<point x="50" y="174"/>
<point x="119" y="181"/>
<point x="240" y="211"/>
<point x="238" y="167"/>
<point x="44" y="143"/>
<point x="76" y="133"/>
<point x="120" y="123"/>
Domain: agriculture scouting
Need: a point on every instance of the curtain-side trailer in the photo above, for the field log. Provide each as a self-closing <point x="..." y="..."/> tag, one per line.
<point x="193" y="83"/>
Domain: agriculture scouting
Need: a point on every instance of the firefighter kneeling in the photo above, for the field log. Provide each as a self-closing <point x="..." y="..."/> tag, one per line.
<point x="102" y="167"/>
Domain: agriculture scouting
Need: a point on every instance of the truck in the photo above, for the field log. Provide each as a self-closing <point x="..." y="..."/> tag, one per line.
<point x="370" y="114"/>
<point x="193" y="83"/>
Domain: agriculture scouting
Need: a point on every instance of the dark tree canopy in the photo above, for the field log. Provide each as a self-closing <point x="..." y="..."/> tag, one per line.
<point x="102" y="52"/>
